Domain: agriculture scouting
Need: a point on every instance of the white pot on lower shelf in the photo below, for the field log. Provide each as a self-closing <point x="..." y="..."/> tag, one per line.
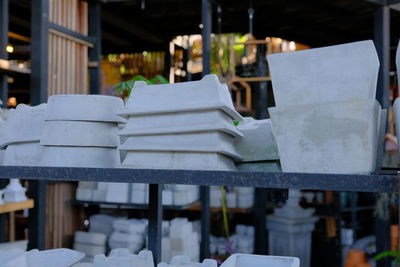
<point x="95" y="157"/>
<point x="178" y="160"/>
<point x="336" y="137"/>
<point x="244" y="260"/>
<point x="80" y="133"/>
<point x="190" y="142"/>
<point x="180" y="122"/>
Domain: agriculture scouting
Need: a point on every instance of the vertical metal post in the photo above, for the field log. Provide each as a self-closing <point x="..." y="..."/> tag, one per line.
<point x="205" y="222"/>
<point x="155" y="221"/>
<point x="95" y="51"/>
<point x="3" y="44"/>
<point x="262" y="87"/>
<point x="353" y="210"/>
<point x="38" y="95"/>
<point x="382" y="43"/>
<point x="206" y="13"/>
<point x="260" y="241"/>
<point x="39" y="58"/>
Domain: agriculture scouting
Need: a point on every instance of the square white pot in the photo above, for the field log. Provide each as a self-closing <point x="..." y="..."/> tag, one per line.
<point x="258" y="142"/>
<point x="336" y="137"/>
<point x="80" y="133"/>
<point x="244" y="260"/>
<point x="208" y="93"/>
<point x="178" y="160"/>
<point x="84" y="108"/>
<point x="180" y="122"/>
<point x="189" y="142"/>
<point x="335" y="73"/>
<point x="84" y="194"/>
<point x="89" y="250"/>
<point x="24" y="124"/>
<point x="23" y="154"/>
<point x="98" y="239"/>
<point x="95" y="157"/>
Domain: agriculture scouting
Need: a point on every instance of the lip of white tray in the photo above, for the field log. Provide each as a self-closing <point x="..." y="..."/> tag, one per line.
<point x="80" y="133"/>
<point x="84" y="108"/>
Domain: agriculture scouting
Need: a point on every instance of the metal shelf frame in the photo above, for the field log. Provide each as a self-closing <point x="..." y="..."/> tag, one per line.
<point x="156" y="178"/>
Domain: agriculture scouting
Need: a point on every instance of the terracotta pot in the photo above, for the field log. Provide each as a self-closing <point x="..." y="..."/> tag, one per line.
<point x="355" y="257"/>
<point x="394" y="237"/>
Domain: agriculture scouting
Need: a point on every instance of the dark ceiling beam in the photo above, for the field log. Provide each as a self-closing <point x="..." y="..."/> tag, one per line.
<point x="127" y="26"/>
<point x="115" y="40"/>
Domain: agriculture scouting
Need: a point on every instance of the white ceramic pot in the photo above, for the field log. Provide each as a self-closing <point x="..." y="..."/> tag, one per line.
<point x="178" y="160"/>
<point x="208" y="93"/>
<point x="334" y="73"/>
<point x="23" y="154"/>
<point x="95" y="157"/>
<point x="190" y="142"/>
<point x="180" y="122"/>
<point x="244" y="260"/>
<point x="80" y="133"/>
<point x="24" y="124"/>
<point x="84" y="108"/>
<point x="258" y="143"/>
<point x="53" y="257"/>
<point x="338" y="137"/>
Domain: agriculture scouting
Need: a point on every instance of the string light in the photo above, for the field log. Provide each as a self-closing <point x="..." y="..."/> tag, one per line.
<point x="9" y="48"/>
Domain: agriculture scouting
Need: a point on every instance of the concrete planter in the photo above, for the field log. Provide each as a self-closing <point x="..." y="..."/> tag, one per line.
<point x="23" y="154"/>
<point x="96" y="157"/>
<point x="80" y="133"/>
<point x="84" y="108"/>
<point x="258" y="143"/>
<point x="24" y="124"/>
<point x="208" y="93"/>
<point x="243" y="260"/>
<point x="180" y="122"/>
<point x="334" y="73"/>
<point x="189" y="142"/>
<point x="338" y="137"/>
<point x="178" y="160"/>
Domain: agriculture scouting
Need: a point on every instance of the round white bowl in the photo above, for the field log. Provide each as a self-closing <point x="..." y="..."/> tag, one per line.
<point x="80" y="133"/>
<point x="84" y="108"/>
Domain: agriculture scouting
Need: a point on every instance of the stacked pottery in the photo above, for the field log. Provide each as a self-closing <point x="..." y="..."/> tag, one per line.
<point x="22" y="141"/>
<point x="181" y="126"/>
<point x="326" y="118"/>
<point x="257" y="147"/>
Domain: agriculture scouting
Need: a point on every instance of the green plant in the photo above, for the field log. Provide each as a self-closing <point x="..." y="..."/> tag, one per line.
<point x="389" y="253"/>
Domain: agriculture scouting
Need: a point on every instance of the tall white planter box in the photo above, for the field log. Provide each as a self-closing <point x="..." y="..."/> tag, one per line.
<point x="247" y="260"/>
<point x="335" y="73"/>
<point x="336" y="137"/>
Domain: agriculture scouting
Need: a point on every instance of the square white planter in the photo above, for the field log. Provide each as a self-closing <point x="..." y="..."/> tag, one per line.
<point x="178" y="160"/>
<point x="208" y="93"/>
<point x="24" y="124"/>
<point x="244" y="260"/>
<point x="180" y="122"/>
<point x="84" y="108"/>
<point x="95" y="157"/>
<point x="90" y="238"/>
<point x="218" y="142"/>
<point x="80" y="133"/>
<point x="334" y="73"/>
<point x="23" y="154"/>
<point x="337" y="137"/>
<point x="258" y="142"/>
<point x="90" y="250"/>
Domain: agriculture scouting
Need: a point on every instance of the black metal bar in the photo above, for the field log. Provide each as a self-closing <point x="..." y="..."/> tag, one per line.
<point x="279" y="180"/>
<point x="353" y="207"/>
<point x="88" y="39"/>
<point x="382" y="233"/>
<point x="39" y="44"/>
<point x="206" y="13"/>
<point x="205" y="222"/>
<point x="37" y="215"/>
<point x="382" y="43"/>
<point x="95" y="51"/>
<point x="260" y="241"/>
<point x="155" y="221"/>
<point x="3" y="44"/>
<point x="262" y="87"/>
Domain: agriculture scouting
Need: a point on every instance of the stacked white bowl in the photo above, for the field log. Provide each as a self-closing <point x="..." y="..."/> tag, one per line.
<point x="81" y="131"/>
<point x="326" y="118"/>
<point x="181" y="126"/>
